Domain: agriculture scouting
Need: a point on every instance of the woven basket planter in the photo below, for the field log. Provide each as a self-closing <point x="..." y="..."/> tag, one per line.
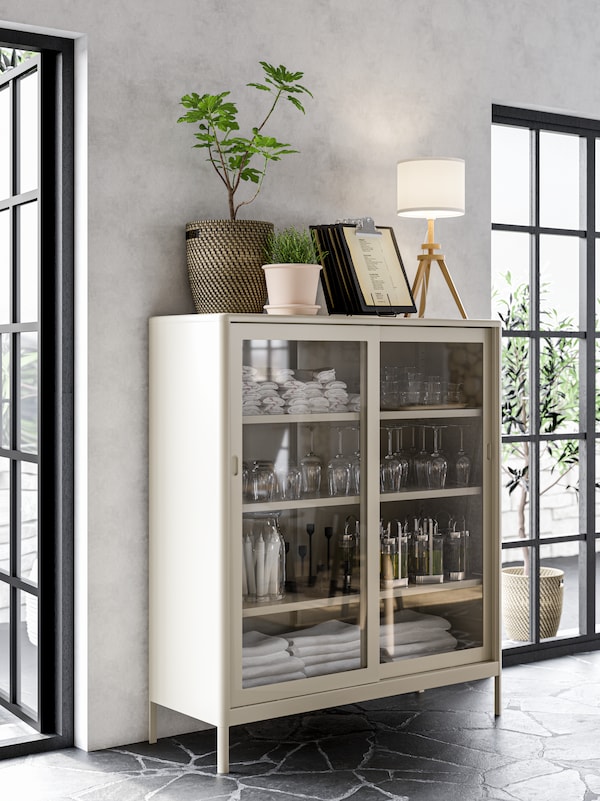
<point x="515" y="602"/>
<point x="224" y="261"/>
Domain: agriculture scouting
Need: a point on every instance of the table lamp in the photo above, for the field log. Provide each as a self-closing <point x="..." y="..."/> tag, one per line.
<point x="431" y="188"/>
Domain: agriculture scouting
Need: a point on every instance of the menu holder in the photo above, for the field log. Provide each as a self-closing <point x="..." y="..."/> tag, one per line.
<point x="362" y="271"/>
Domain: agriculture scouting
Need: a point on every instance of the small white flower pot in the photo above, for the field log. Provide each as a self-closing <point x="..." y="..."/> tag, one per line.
<point x="292" y="284"/>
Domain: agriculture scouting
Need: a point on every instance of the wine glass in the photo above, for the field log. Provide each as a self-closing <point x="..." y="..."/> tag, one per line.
<point x="338" y="470"/>
<point x="422" y="465"/>
<point x="438" y="464"/>
<point x="355" y="465"/>
<point x="310" y="469"/>
<point x="389" y="469"/>
<point x="463" y="464"/>
<point x="401" y="457"/>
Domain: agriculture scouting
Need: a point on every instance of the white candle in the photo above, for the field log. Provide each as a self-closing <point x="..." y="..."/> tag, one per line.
<point x="260" y="567"/>
<point x="249" y="563"/>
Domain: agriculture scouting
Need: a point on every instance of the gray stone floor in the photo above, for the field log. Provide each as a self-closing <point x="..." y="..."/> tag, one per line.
<point x="440" y="745"/>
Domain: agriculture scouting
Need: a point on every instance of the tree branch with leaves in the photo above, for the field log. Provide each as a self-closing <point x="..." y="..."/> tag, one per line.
<point x="558" y="398"/>
<point x="231" y="155"/>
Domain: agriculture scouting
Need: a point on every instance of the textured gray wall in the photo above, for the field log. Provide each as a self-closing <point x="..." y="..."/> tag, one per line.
<point x="392" y="79"/>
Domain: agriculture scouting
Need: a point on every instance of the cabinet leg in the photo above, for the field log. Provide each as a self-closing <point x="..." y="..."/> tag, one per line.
<point x="151" y="723"/>
<point x="222" y="749"/>
<point x="497" y="696"/>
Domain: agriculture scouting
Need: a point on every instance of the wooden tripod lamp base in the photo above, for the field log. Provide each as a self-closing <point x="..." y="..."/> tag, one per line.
<point x="421" y="282"/>
<point x="429" y="188"/>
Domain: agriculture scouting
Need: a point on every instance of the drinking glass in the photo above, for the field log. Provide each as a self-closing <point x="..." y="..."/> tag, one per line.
<point x="438" y="464"/>
<point x="463" y="464"/>
<point x="389" y="469"/>
<point x="310" y="469"/>
<point x="338" y="470"/>
<point x="422" y="469"/>
<point x="355" y="465"/>
<point x="401" y="457"/>
<point x="292" y="484"/>
<point x="263" y="481"/>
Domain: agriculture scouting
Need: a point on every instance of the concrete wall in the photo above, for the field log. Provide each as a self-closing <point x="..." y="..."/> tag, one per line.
<point x="392" y="79"/>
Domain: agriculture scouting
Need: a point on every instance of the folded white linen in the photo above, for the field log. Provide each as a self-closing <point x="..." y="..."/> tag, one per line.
<point x="255" y="643"/>
<point x="289" y="665"/>
<point x="328" y="633"/>
<point x="398" y="634"/>
<point x="439" y="643"/>
<point x="303" y="651"/>
<point x="322" y="659"/>
<point x="261" y="680"/>
<point x="332" y="667"/>
<point x="264" y="659"/>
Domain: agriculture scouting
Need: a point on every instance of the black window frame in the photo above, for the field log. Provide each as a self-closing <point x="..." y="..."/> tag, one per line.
<point x="588" y="129"/>
<point x="56" y="396"/>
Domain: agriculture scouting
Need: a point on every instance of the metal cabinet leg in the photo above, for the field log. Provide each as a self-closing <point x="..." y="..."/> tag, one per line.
<point x="222" y="749"/>
<point x="497" y="695"/>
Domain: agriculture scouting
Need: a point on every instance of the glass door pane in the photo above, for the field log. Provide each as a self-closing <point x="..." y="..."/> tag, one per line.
<point x="431" y="480"/>
<point x="303" y="549"/>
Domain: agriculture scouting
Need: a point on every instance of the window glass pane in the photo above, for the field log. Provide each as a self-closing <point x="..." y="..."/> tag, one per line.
<point x="29" y="392"/>
<point x="511" y="175"/>
<point x="515" y="509"/>
<point x="559" y="385"/>
<point x="597" y="504"/>
<point x="5" y="265"/>
<point x="510" y="278"/>
<point x="597" y="580"/>
<point x="559" y="590"/>
<point x="559" y="282"/>
<point x="515" y="596"/>
<point x="515" y="386"/>
<point x="5" y="143"/>
<point x="597" y="184"/>
<point x="4" y="514"/>
<point x="559" y="180"/>
<point x="558" y="485"/>
<point x="28" y="123"/>
<point x="29" y="522"/>
<point x="28" y="261"/>
<point x="5" y="405"/>
<point x="27" y="647"/>
<point x="4" y="639"/>
<point x="597" y="305"/>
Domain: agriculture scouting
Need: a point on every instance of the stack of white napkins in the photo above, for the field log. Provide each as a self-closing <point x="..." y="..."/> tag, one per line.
<point x="266" y="660"/>
<point x="414" y="634"/>
<point x="328" y="647"/>
<point x="282" y="393"/>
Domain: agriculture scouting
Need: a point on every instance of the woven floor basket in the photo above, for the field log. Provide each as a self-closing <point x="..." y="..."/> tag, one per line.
<point x="224" y="260"/>
<point x="515" y="602"/>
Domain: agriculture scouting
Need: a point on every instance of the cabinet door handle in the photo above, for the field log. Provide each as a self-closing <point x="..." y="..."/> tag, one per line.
<point x="235" y="465"/>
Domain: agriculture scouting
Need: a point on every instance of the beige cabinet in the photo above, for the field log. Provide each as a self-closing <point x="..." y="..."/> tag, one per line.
<point x="323" y="512"/>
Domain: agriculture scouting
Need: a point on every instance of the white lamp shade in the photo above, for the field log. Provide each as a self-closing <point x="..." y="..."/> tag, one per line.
<point x="431" y="188"/>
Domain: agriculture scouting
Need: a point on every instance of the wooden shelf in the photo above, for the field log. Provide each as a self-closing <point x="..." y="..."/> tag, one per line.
<point x="288" y="419"/>
<point x="425" y="589"/>
<point x="427" y="413"/>
<point x="304" y="503"/>
<point x="420" y="494"/>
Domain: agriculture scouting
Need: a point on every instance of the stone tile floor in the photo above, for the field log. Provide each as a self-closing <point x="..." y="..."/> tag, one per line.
<point x="440" y="745"/>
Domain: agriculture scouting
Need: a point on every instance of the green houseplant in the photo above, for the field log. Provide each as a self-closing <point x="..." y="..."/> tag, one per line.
<point x="224" y="257"/>
<point x="559" y="404"/>
<point x="292" y="274"/>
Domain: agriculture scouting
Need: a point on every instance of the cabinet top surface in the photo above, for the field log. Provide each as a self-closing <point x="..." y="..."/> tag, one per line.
<point x="336" y="319"/>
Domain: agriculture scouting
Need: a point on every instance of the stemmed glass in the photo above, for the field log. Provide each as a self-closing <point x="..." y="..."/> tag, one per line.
<point x="310" y="469"/>
<point x="355" y="466"/>
<point x="422" y="465"/>
<point x="401" y="457"/>
<point x="463" y="464"/>
<point x="390" y="469"/>
<point x="438" y="464"/>
<point x="338" y="470"/>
